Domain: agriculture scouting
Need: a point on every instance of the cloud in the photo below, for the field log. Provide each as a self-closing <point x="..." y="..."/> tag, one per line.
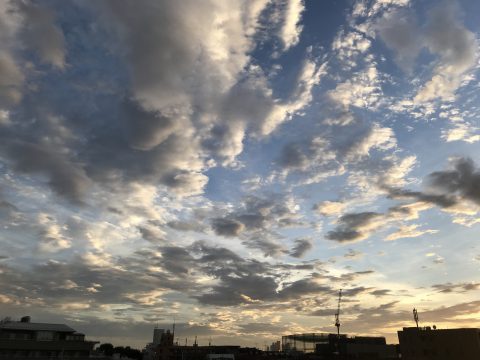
<point x="11" y="74"/>
<point x="399" y="31"/>
<point x="257" y="219"/>
<point x="293" y="157"/>
<point x="301" y="247"/>
<point x="227" y="227"/>
<point x="355" y="226"/>
<point x="377" y="137"/>
<point x="42" y="34"/>
<point x="51" y="234"/>
<point x="313" y="159"/>
<point x="309" y="76"/>
<point x="461" y="131"/>
<point x="409" y="231"/>
<point x="11" y="81"/>
<point x="350" y="45"/>
<point x="361" y="90"/>
<point x="329" y="208"/>
<point x="291" y="29"/>
<point x="444" y="36"/>
<point x="448" y="189"/>
<point x="162" y="82"/>
<point x="457" y="48"/>
<point x="456" y="288"/>
<point x="146" y="129"/>
<point x="454" y="189"/>
<point x="66" y="178"/>
<point x="463" y="179"/>
<point x="353" y="254"/>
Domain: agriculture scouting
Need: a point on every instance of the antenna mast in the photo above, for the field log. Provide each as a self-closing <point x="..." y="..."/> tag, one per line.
<point x="337" y="314"/>
<point x="415" y="316"/>
<point x="173" y="330"/>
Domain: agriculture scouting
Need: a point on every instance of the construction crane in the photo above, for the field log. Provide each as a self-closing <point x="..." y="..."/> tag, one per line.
<point x="337" y="314"/>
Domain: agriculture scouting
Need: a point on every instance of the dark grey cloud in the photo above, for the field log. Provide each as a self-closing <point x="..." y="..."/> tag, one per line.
<point x="462" y="180"/>
<point x="456" y="288"/>
<point x="8" y="211"/>
<point x="381" y="292"/>
<point x="42" y="34"/>
<point x="145" y="129"/>
<point x="11" y="81"/>
<point x="151" y="234"/>
<point x="292" y="156"/>
<point x="256" y="219"/>
<point x="227" y="227"/>
<point x="400" y="32"/>
<point x="447" y="187"/>
<point x="350" y="225"/>
<point x="307" y="286"/>
<point x="442" y="200"/>
<point x="348" y="277"/>
<point x="235" y="291"/>
<point x="301" y="247"/>
<point x="64" y="176"/>
<point x="263" y="328"/>
<point x="193" y="225"/>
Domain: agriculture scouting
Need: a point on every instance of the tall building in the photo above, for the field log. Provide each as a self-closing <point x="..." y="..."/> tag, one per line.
<point x="276" y="346"/>
<point x="425" y="343"/>
<point x="24" y="340"/>
<point x="157" y="335"/>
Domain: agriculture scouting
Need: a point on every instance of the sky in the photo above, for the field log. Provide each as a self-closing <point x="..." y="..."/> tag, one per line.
<point x="231" y="165"/>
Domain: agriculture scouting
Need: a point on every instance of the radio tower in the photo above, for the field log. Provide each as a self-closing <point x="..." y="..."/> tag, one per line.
<point x="415" y="316"/>
<point x="337" y="314"/>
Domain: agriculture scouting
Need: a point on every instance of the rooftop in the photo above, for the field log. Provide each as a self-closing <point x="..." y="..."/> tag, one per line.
<point x="17" y="325"/>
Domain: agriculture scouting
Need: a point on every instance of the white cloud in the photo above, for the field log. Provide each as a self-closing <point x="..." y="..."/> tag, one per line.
<point x="362" y="90"/>
<point x="409" y="231"/>
<point x="329" y="208"/>
<point x="52" y="237"/>
<point x="291" y="29"/>
<point x="378" y="137"/>
<point x="381" y="5"/>
<point x="309" y="76"/>
<point x="461" y="131"/>
<point x="349" y="45"/>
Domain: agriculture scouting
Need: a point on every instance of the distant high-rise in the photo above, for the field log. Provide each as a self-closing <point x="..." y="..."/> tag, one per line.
<point x="157" y="335"/>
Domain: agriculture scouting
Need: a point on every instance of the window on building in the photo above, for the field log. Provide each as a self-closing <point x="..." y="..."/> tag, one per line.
<point x="45" y="335"/>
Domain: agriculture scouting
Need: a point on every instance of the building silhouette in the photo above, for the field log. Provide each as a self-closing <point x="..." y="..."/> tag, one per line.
<point x="339" y="346"/>
<point x="25" y="340"/>
<point x="425" y="343"/>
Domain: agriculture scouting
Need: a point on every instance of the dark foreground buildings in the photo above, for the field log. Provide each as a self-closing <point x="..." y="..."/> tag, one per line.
<point x="332" y="346"/>
<point x="26" y="340"/>
<point x="417" y="343"/>
<point x="296" y="346"/>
